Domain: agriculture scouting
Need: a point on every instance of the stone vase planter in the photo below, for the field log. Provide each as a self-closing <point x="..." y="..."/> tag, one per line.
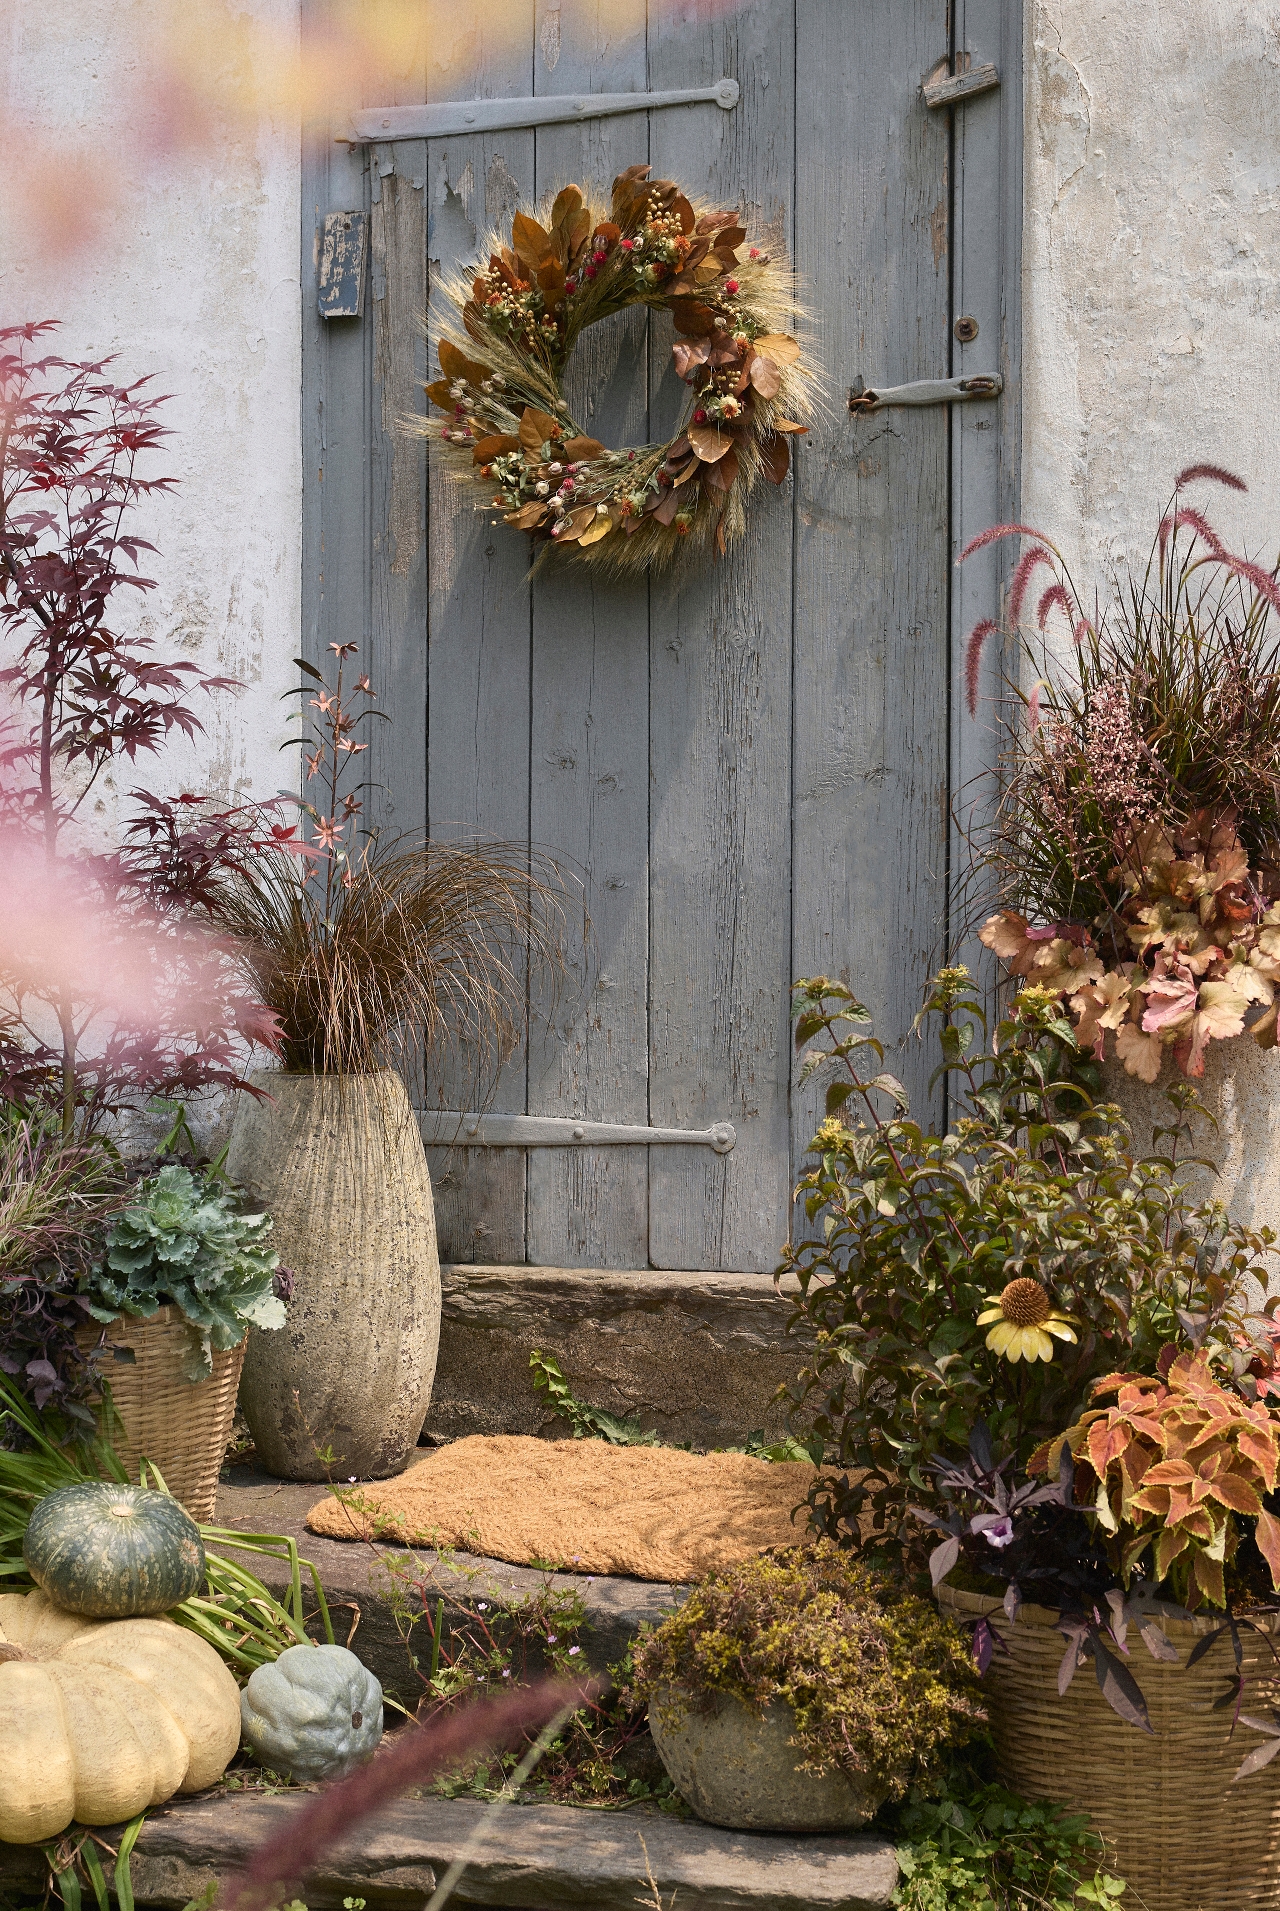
<point x="1241" y="1089"/>
<point x="339" y="1165"/>
<point x="1183" y="1835"/>
<point x="741" y="1771"/>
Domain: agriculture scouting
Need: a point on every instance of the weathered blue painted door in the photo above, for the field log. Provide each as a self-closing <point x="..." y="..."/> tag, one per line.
<point x="751" y="765"/>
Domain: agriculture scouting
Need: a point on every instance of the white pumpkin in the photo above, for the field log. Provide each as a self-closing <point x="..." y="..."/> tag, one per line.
<point x="314" y="1713"/>
<point x="100" y="1718"/>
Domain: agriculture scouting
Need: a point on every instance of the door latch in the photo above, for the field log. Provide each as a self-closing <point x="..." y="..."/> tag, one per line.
<point x="924" y="391"/>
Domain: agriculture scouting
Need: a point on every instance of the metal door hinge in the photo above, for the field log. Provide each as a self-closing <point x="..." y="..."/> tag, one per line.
<point x="445" y="1128"/>
<point x="941" y="88"/>
<point x="925" y="391"/>
<point x="378" y="123"/>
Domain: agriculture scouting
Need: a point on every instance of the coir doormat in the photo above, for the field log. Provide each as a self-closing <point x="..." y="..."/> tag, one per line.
<point x="583" y="1505"/>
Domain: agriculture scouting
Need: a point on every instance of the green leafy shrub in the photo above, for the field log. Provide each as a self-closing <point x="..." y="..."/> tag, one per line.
<point x="877" y="1679"/>
<point x="186" y="1244"/>
<point x="982" y="1848"/>
<point x="995" y="1271"/>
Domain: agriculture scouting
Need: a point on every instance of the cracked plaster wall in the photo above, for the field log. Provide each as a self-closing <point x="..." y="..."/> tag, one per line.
<point x="193" y="275"/>
<point x="1151" y="291"/>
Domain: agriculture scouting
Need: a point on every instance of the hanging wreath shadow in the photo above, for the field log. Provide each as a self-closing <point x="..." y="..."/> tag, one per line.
<point x="506" y="332"/>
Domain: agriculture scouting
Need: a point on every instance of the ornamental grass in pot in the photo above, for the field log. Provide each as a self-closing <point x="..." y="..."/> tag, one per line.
<point x="800" y="1690"/>
<point x="371" y="954"/>
<point x="1038" y="1365"/>
<point x="1133" y="839"/>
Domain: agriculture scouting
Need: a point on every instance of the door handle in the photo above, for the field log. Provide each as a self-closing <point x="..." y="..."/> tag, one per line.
<point x="924" y="391"/>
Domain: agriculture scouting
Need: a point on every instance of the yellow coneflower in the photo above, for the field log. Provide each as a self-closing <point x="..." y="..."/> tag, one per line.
<point x="1026" y="1322"/>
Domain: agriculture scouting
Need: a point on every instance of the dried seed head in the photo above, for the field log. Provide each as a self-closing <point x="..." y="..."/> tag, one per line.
<point x="1025" y="1303"/>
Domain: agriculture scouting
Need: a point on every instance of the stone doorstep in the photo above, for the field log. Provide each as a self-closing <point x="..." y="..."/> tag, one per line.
<point x="534" y="1857"/>
<point x="698" y="1356"/>
<point x="356" y="1580"/>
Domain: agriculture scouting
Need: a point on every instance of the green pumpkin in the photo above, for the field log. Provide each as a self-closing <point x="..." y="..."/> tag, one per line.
<point x="113" y="1552"/>
<point x="315" y="1713"/>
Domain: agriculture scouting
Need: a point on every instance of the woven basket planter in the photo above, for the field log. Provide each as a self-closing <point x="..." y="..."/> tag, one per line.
<point x="1182" y="1834"/>
<point x="181" y="1426"/>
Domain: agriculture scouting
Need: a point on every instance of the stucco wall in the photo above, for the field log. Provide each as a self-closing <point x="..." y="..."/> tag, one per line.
<point x="185" y="263"/>
<point x="1151" y="280"/>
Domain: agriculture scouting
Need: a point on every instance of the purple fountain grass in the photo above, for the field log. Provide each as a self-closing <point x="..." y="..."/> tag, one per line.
<point x="416" y="1754"/>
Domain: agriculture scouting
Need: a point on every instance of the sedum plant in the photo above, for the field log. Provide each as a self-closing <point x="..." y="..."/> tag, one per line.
<point x="186" y="1244"/>
<point x="878" y="1681"/>
<point x="995" y="1271"/>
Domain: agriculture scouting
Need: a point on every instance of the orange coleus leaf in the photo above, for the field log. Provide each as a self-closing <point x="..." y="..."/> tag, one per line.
<point x="1207" y="1574"/>
<point x="1267" y="1534"/>
<point x="1106" y="1442"/>
<point x="1170" y="1473"/>
<point x="1239" y="1494"/>
<point x="1169" y="1545"/>
<point x="1262" y="1449"/>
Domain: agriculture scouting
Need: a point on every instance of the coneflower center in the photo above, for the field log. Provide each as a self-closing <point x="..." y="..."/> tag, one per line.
<point x="1025" y="1303"/>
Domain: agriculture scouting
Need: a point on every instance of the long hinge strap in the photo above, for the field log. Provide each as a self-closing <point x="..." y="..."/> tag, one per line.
<point x="378" y="123"/>
<point x="925" y="391"/>
<point x="446" y="1128"/>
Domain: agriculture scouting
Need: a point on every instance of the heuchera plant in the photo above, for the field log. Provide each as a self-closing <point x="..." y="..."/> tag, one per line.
<point x="1135" y="838"/>
<point x="116" y="989"/>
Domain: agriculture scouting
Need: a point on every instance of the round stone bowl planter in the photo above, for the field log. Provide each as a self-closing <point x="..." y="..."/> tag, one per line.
<point x="339" y="1165"/>
<point x="741" y="1771"/>
<point x="1183" y="1835"/>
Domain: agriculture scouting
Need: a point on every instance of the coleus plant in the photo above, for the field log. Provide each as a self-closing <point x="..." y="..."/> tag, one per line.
<point x="1170" y="1472"/>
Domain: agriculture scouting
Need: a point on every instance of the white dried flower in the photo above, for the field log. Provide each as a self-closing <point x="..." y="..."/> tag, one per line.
<point x="542" y="487"/>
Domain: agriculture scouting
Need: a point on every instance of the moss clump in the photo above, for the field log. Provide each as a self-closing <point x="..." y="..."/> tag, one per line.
<point x="879" y="1682"/>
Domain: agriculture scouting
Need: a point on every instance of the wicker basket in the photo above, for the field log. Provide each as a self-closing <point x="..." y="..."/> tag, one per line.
<point x="181" y="1426"/>
<point x="1183" y="1835"/>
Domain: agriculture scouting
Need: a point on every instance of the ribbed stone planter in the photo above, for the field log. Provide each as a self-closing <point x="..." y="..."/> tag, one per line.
<point x="1241" y="1089"/>
<point x="339" y="1165"/>
<point x="741" y="1771"/>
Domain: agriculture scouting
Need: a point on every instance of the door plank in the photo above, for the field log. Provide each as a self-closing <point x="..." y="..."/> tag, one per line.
<point x="720" y="748"/>
<point x="478" y="682"/>
<point x="588" y="1207"/>
<point x="872" y="549"/>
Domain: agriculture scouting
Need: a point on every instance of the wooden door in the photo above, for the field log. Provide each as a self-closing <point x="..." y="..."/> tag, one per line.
<point x="752" y="764"/>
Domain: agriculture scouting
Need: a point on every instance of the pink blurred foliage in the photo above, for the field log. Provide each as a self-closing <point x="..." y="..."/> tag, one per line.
<point x="113" y="985"/>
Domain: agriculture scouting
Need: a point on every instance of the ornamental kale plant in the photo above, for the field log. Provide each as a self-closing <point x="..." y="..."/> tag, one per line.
<point x="880" y="1684"/>
<point x="1134" y="836"/>
<point x="994" y="1271"/>
<point x="186" y="1244"/>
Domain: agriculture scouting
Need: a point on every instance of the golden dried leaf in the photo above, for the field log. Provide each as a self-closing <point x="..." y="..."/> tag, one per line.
<point x="787" y="424"/>
<point x="765" y="376"/>
<point x="710" y="443"/>
<point x="685" y="211"/>
<point x="692" y="318"/>
<point x="710" y="269"/>
<point x="594" y="532"/>
<point x="632" y="173"/>
<point x="532" y="241"/>
<point x="780" y="347"/>
<point x="775" y="456"/>
<point x="672" y="502"/>
<point x="719" y="476"/>
<point x="582" y="448"/>
<point x="689" y="354"/>
<point x="568" y="201"/>
<point x="579" y="233"/>
<point x="527" y="518"/>
<point x="473" y="321"/>
<point x="536" y="428"/>
<point x="576" y="522"/>
<point x="607" y="230"/>
<point x="456" y="364"/>
<point x="712" y="221"/>
<point x="720" y="536"/>
<point x="551" y="278"/>
<point x="440" y="394"/>
<point x="494" y="447"/>
<point x="729" y="239"/>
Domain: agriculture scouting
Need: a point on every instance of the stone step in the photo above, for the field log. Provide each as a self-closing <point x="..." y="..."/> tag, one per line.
<point x="527" y="1857"/>
<point x="359" y="1580"/>
<point x="698" y="1356"/>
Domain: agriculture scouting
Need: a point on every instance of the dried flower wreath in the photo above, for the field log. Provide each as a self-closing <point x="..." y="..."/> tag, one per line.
<point x="517" y="320"/>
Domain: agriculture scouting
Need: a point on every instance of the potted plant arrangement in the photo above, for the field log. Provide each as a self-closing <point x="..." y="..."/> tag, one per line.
<point x="370" y="951"/>
<point x="801" y="1690"/>
<point x="1134" y="844"/>
<point x="1038" y="1348"/>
